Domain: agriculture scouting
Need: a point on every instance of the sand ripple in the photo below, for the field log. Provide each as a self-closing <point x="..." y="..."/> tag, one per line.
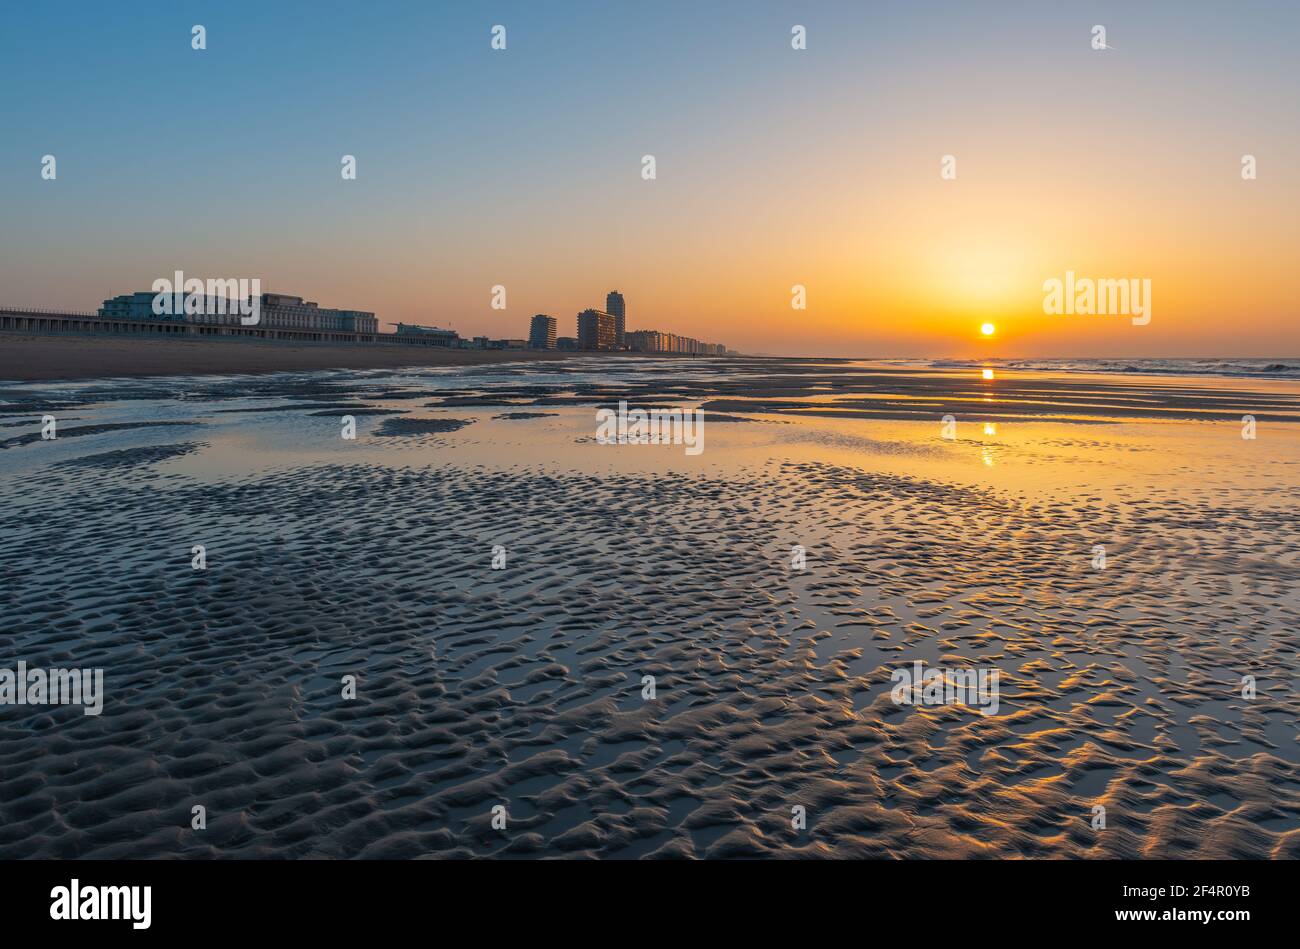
<point x="523" y="686"/>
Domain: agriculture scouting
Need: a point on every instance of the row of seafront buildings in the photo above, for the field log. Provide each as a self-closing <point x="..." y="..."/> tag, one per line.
<point x="606" y="331"/>
<point x="291" y="318"/>
<point x="279" y="316"/>
<point x="278" y="311"/>
<point x="597" y="330"/>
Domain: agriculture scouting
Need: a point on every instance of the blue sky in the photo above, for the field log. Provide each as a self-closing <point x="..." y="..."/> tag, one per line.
<point x="478" y="167"/>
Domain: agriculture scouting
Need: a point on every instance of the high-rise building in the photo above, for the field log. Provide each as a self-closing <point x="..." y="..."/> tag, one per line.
<point x="595" y="330"/>
<point x="616" y="307"/>
<point x="541" y="333"/>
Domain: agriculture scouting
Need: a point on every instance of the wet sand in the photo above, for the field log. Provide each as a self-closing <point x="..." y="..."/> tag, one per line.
<point x="524" y="686"/>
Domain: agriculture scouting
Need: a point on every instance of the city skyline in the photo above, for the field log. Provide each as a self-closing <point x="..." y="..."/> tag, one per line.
<point x="477" y="168"/>
<point x="196" y="306"/>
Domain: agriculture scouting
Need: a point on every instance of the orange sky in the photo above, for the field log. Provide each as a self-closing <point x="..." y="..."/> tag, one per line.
<point x="775" y="167"/>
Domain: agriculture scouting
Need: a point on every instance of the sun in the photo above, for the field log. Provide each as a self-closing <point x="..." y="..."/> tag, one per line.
<point x="988" y="329"/>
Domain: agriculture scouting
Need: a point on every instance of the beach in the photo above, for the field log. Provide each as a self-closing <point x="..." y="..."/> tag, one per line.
<point x="636" y="652"/>
<point x="34" y="358"/>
